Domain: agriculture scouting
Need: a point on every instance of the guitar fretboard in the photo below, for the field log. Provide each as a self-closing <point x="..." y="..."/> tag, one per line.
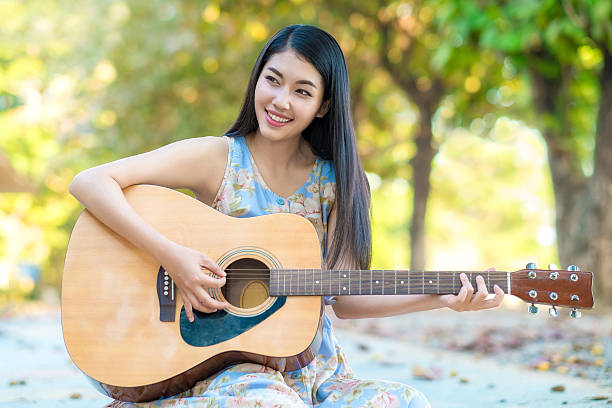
<point x="316" y="282"/>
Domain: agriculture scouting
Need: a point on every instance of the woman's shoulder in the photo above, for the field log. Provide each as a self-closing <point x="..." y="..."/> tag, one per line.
<point x="206" y="145"/>
<point x="206" y="158"/>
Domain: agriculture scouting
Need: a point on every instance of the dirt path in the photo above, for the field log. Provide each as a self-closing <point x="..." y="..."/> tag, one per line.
<point x="35" y="369"/>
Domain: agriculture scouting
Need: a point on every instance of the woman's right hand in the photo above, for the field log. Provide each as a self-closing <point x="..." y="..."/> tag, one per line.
<point x="190" y="271"/>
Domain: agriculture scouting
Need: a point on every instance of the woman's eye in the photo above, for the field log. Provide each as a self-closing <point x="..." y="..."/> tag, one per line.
<point x="272" y="79"/>
<point x="303" y="92"/>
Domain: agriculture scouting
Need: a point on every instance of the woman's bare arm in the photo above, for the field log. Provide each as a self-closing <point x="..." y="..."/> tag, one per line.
<point x="364" y="306"/>
<point x="196" y="164"/>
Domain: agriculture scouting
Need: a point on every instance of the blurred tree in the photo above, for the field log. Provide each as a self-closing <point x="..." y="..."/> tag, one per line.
<point x="434" y="70"/>
<point x="562" y="48"/>
<point x="115" y="78"/>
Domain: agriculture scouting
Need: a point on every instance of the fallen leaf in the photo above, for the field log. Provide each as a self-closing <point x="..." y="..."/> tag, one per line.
<point x="600" y="398"/>
<point x="558" y="388"/>
<point x="433" y="373"/>
<point x="543" y="366"/>
<point x="76" y="395"/>
<point x="597" y="349"/>
<point x="464" y="380"/>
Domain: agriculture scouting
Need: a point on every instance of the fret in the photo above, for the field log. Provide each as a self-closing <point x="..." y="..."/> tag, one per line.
<point x="346" y="283"/>
<point x="321" y="285"/>
<point x="360" y="282"/>
<point x="395" y="284"/>
<point x="352" y="282"/>
<point x="438" y="291"/>
<point x="371" y="282"/>
<point x="302" y="282"/>
<point x="508" y="291"/>
<point x="376" y="282"/>
<point x="312" y="282"/>
<point x="404" y="287"/>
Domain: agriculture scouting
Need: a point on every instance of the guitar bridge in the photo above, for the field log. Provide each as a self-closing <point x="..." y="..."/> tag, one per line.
<point x="166" y="293"/>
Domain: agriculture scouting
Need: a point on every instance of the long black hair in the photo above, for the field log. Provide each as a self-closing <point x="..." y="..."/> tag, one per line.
<point x="331" y="137"/>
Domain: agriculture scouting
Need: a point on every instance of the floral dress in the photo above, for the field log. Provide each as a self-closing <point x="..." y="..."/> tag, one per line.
<point x="327" y="381"/>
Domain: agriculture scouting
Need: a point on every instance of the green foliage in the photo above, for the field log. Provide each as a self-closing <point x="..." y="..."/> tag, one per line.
<point x="82" y="86"/>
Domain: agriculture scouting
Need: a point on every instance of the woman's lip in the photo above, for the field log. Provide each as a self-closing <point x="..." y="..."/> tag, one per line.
<point x="274" y="123"/>
<point x="277" y="114"/>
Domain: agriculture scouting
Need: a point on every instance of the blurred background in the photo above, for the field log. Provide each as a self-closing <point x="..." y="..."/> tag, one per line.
<point x="485" y="126"/>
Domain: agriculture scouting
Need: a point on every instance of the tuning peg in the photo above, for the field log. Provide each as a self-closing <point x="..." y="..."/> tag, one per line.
<point x="553" y="312"/>
<point x="531" y="265"/>
<point x="553" y="267"/>
<point x="533" y="309"/>
<point x="573" y="268"/>
<point x="575" y="313"/>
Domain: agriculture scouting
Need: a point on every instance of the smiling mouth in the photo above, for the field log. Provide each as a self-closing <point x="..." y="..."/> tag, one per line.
<point x="276" y="118"/>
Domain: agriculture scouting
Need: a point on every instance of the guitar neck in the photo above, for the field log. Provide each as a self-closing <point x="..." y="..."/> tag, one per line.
<point x="317" y="282"/>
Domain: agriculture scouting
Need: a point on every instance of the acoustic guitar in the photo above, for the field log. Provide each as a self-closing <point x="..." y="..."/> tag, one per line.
<point x="125" y="326"/>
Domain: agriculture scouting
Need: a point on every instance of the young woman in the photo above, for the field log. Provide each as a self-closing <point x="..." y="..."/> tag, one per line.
<point x="292" y="149"/>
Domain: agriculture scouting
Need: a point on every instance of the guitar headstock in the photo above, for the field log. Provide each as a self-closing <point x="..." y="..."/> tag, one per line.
<point x="554" y="287"/>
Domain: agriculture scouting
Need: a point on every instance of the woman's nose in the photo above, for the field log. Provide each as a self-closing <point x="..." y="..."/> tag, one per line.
<point x="281" y="99"/>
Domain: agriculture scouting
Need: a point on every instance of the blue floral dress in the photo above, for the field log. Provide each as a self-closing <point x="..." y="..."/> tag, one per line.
<point x="328" y="380"/>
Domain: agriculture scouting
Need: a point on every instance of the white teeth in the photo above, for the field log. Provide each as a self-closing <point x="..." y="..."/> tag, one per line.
<point x="277" y="118"/>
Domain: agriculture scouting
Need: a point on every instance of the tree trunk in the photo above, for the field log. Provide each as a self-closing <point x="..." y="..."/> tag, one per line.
<point x="583" y="206"/>
<point x="569" y="184"/>
<point x="599" y="233"/>
<point x="421" y="170"/>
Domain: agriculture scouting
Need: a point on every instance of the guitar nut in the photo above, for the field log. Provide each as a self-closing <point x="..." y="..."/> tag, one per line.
<point x="554" y="296"/>
<point x="533" y="294"/>
<point x="532" y="274"/>
<point x="553" y="275"/>
<point x="574" y="277"/>
<point x="575" y="298"/>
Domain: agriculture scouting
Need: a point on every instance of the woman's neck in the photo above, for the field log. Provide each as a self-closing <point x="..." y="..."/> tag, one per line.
<point x="280" y="155"/>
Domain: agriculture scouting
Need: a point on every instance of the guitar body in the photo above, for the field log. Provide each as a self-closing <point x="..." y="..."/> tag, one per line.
<point x="111" y="319"/>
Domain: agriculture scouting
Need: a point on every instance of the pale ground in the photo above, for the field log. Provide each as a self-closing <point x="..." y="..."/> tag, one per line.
<point x="35" y="369"/>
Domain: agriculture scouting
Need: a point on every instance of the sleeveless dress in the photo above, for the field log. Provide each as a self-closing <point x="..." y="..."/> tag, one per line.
<point x="327" y="381"/>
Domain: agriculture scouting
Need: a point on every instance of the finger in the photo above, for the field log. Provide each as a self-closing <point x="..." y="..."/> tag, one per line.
<point x="491" y="270"/>
<point x="468" y="285"/>
<point x="213" y="267"/>
<point x="214" y="282"/>
<point x="458" y="302"/>
<point x="482" y="292"/>
<point x="499" y="295"/>
<point x="188" y="310"/>
<point x="213" y="303"/>
<point x="495" y="301"/>
<point x="208" y="303"/>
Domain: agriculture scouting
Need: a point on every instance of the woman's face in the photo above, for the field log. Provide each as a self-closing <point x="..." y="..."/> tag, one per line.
<point x="288" y="96"/>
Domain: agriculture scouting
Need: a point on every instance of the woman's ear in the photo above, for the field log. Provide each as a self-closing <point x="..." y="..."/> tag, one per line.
<point x="323" y="109"/>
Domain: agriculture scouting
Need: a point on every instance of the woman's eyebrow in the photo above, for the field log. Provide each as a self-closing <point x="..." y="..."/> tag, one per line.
<point x="301" y="81"/>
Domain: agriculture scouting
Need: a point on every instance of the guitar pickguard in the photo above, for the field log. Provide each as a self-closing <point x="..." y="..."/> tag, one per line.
<point x="212" y="328"/>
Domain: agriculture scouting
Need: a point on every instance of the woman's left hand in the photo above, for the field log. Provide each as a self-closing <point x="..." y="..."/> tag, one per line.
<point x="466" y="299"/>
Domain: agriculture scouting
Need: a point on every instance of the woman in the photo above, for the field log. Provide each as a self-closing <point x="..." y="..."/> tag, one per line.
<point x="291" y="149"/>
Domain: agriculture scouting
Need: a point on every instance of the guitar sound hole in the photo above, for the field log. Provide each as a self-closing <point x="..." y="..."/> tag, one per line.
<point x="247" y="283"/>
